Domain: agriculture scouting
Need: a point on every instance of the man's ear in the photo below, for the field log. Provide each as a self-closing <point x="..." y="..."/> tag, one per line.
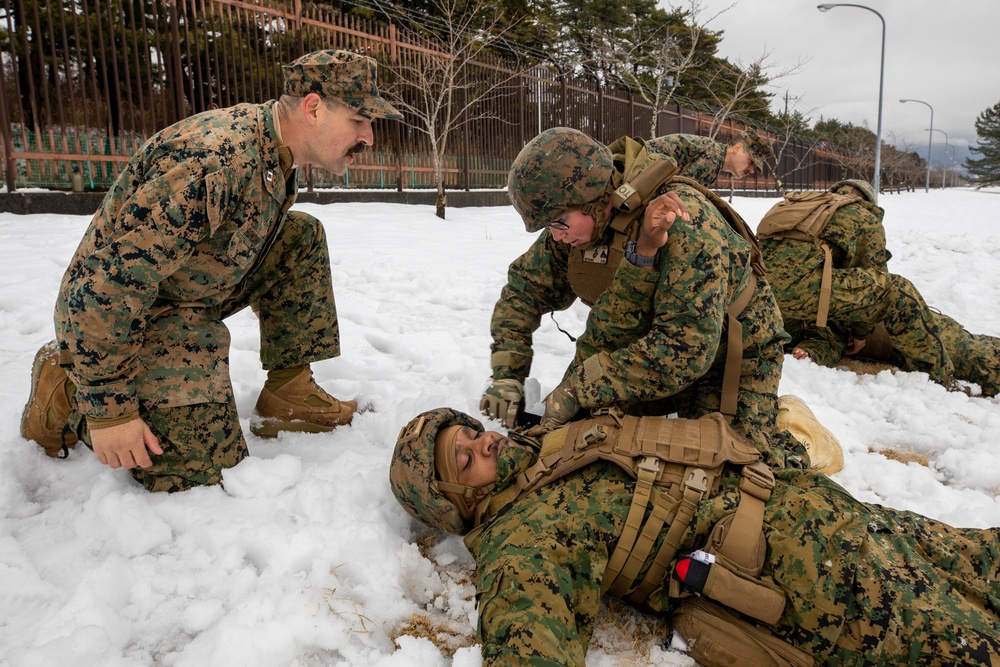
<point x="311" y="105"/>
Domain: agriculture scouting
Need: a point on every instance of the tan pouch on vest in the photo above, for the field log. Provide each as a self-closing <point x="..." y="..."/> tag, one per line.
<point x="738" y="591"/>
<point x="717" y="637"/>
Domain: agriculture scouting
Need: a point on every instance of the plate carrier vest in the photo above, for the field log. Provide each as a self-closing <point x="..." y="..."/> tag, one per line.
<point x="676" y="464"/>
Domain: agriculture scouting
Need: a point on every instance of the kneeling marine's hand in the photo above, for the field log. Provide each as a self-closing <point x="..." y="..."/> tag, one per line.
<point x="560" y="407"/>
<point x="503" y="400"/>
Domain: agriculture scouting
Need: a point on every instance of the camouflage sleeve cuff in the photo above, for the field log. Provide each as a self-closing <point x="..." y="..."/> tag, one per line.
<point x="510" y="365"/>
<point x="97" y="423"/>
<point x="107" y="401"/>
<point x="637" y="274"/>
<point x="588" y="384"/>
<point x="822" y="352"/>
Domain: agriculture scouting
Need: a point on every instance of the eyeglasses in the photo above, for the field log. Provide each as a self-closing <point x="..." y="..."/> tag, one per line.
<point x="559" y="225"/>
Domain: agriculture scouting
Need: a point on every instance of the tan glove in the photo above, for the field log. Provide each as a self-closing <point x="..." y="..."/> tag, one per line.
<point x="560" y="407"/>
<point x="503" y="400"/>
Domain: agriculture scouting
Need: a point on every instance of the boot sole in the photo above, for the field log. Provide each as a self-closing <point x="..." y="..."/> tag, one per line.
<point x="36" y="372"/>
<point x="270" y="428"/>
<point x="37" y="366"/>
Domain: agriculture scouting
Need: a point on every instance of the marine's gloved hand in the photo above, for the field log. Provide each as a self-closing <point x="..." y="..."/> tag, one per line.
<point x="560" y="406"/>
<point x="503" y="400"/>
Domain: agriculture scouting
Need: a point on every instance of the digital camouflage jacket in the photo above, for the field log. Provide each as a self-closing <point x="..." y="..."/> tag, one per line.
<point x="856" y="239"/>
<point x="863" y="294"/>
<point x="654" y="341"/>
<point x="537" y="281"/>
<point x="698" y="158"/>
<point x="185" y="222"/>
<point x="864" y="584"/>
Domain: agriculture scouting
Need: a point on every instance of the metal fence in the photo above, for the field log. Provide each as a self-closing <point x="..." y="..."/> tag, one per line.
<point x="83" y="83"/>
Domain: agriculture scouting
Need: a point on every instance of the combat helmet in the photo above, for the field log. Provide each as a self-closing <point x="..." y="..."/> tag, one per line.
<point x="561" y="168"/>
<point x="863" y="187"/>
<point x="414" y="480"/>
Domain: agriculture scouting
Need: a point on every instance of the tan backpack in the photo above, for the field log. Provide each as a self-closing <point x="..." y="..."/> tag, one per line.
<point x="802" y="216"/>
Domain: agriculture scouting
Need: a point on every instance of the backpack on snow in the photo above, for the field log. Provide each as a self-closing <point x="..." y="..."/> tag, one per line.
<point x="802" y="216"/>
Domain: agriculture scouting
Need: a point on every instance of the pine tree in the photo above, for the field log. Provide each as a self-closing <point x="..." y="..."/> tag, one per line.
<point x="986" y="169"/>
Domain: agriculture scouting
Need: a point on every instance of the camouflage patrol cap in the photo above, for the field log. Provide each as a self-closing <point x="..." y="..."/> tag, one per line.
<point x="760" y="151"/>
<point x="559" y="169"/>
<point x="338" y="75"/>
<point x="412" y="474"/>
<point x="863" y="187"/>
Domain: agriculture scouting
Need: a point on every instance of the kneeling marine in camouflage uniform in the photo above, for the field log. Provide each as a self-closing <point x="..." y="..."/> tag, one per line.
<point x="681" y="518"/>
<point x="681" y="320"/>
<point x="830" y="278"/>
<point x="195" y="229"/>
<point x="704" y="159"/>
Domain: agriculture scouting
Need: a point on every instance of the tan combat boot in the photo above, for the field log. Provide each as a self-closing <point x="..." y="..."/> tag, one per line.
<point x="299" y="405"/>
<point x="824" y="450"/>
<point x="46" y="416"/>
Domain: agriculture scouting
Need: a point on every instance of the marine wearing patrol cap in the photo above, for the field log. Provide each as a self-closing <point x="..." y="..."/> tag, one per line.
<point x="341" y="75"/>
<point x="760" y="152"/>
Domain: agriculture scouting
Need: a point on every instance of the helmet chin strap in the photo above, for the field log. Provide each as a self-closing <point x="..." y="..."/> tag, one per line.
<point x="600" y="211"/>
<point x="464" y="498"/>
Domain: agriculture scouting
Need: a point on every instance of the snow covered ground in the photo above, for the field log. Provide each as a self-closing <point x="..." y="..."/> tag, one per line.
<point x="305" y="559"/>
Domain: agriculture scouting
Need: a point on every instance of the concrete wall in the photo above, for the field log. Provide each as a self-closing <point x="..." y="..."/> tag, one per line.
<point x="85" y="203"/>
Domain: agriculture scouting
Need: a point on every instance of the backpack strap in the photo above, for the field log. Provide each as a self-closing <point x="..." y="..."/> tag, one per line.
<point x="734" y="342"/>
<point x="734" y="350"/>
<point x="695" y="488"/>
<point x="803" y="217"/>
<point x="649" y="467"/>
<point x="591" y="270"/>
<point x="825" y="287"/>
<point x="632" y="195"/>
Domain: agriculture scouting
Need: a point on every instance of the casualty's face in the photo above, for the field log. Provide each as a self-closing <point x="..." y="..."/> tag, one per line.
<point x="477" y="454"/>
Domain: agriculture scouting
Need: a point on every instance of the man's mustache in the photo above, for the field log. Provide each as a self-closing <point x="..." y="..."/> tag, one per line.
<point x="356" y="148"/>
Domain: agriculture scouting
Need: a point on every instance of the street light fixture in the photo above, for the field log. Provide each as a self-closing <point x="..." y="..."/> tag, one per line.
<point x="930" y="139"/>
<point x="881" y="81"/>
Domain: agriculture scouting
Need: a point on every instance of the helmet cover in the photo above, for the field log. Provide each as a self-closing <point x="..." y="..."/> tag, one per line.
<point x="561" y="168"/>
<point x="863" y="187"/>
<point x="412" y="475"/>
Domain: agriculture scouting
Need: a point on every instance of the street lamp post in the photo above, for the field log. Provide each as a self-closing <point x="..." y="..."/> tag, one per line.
<point x="881" y="81"/>
<point x="944" y="163"/>
<point x="930" y="139"/>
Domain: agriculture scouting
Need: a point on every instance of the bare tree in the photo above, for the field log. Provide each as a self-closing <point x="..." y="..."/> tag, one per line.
<point x="900" y="163"/>
<point x="444" y="86"/>
<point x="851" y="147"/>
<point x="677" y="54"/>
<point x="735" y="88"/>
<point x="788" y="146"/>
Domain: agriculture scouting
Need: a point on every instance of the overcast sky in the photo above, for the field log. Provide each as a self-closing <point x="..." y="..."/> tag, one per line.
<point x="944" y="53"/>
